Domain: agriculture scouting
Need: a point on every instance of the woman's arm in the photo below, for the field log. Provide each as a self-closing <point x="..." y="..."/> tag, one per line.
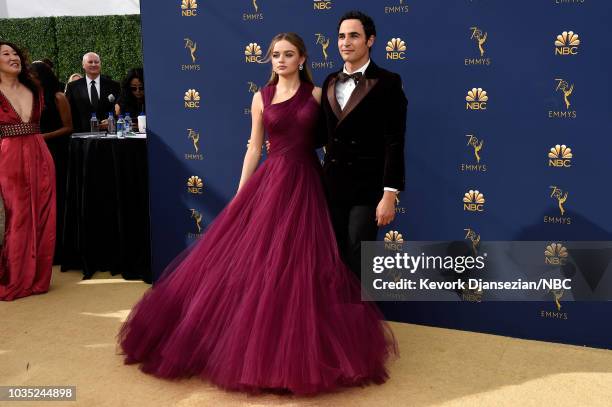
<point x="253" y="153"/>
<point x="63" y="107"/>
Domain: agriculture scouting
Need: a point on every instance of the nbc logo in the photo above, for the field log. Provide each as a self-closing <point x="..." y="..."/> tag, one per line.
<point x="322" y="4"/>
<point x="555" y="254"/>
<point x="393" y="240"/>
<point x="252" y="53"/>
<point x="567" y="43"/>
<point x="396" y="49"/>
<point x="394" y="236"/>
<point x="476" y="99"/>
<point x="560" y="156"/>
<point x="192" y="99"/>
<point x="473" y="201"/>
<point x="194" y="184"/>
<point x="189" y="8"/>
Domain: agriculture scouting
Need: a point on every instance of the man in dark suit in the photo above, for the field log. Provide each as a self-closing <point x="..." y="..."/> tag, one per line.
<point x="364" y="110"/>
<point x="92" y="94"/>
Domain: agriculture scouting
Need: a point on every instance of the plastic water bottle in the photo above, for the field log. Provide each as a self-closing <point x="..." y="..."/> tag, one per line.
<point x="112" y="129"/>
<point x="128" y="123"/>
<point x="94" y="125"/>
<point x="120" y="127"/>
<point x="142" y="123"/>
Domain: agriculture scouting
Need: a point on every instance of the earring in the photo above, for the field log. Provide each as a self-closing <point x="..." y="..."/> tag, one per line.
<point x="301" y="67"/>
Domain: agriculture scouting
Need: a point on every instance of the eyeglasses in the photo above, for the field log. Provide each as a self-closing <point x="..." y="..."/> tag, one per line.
<point x="135" y="88"/>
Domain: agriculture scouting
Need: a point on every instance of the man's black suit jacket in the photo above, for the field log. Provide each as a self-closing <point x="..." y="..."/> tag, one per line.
<point x="364" y="143"/>
<point x="81" y="107"/>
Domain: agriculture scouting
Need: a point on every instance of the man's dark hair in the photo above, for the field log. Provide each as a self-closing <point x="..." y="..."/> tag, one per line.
<point x="368" y="24"/>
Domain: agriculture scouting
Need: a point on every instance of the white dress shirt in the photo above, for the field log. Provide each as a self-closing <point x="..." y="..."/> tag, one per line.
<point x="97" y="82"/>
<point x="344" y="90"/>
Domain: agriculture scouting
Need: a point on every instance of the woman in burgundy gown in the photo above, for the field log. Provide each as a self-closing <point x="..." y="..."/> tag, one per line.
<point x="263" y="301"/>
<point x="27" y="182"/>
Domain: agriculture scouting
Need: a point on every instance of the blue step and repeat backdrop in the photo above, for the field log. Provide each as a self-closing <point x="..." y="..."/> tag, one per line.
<point x="507" y="135"/>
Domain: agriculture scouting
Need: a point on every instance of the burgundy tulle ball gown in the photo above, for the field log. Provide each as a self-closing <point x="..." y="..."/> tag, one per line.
<point x="263" y="301"/>
<point x="27" y="186"/>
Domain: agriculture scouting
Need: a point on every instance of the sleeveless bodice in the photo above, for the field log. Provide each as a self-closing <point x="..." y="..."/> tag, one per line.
<point x="290" y="125"/>
<point x="11" y="124"/>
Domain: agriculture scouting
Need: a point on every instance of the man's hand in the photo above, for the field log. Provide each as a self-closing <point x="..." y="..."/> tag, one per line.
<point x="385" y="211"/>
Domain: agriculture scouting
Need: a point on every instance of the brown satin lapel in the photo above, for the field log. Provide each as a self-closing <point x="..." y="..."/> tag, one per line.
<point x="331" y="97"/>
<point x="363" y="88"/>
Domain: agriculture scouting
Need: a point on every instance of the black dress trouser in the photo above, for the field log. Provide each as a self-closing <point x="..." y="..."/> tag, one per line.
<point x="352" y="225"/>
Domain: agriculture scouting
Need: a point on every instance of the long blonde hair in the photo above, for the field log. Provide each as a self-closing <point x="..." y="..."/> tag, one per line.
<point x="298" y="42"/>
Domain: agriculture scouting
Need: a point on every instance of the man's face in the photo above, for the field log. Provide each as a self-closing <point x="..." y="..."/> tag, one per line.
<point x="352" y="43"/>
<point x="91" y="64"/>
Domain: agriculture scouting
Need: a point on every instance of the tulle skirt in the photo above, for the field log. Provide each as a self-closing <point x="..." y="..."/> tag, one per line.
<point x="263" y="301"/>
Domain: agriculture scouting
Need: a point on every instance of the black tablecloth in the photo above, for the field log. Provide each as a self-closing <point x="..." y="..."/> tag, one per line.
<point x="106" y="219"/>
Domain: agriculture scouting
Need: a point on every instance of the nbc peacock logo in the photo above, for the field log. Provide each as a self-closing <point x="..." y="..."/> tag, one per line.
<point x="560" y="156"/>
<point x="393" y="240"/>
<point x="567" y="43"/>
<point x="192" y="99"/>
<point x="195" y="185"/>
<point x="396" y="49"/>
<point x="189" y="8"/>
<point x="322" y="4"/>
<point x="555" y="254"/>
<point x="252" y="53"/>
<point x="476" y="99"/>
<point x="394" y="236"/>
<point x="473" y="201"/>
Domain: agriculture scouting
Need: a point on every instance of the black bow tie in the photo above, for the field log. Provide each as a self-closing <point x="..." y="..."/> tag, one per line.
<point x="343" y="77"/>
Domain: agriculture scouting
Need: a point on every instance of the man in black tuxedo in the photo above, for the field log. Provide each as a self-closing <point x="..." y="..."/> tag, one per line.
<point x="92" y="94"/>
<point x="364" y="110"/>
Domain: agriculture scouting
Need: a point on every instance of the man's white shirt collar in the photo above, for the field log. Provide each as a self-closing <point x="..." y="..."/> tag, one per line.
<point x="362" y="69"/>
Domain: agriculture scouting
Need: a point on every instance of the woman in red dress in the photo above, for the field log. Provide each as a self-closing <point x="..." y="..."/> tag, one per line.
<point x="27" y="182"/>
